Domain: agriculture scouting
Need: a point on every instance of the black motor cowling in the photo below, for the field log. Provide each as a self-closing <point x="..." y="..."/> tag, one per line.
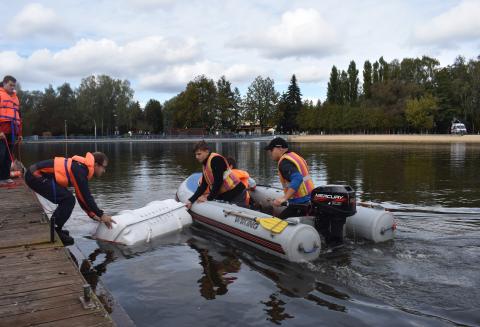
<point x="334" y="200"/>
<point x="332" y="204"/>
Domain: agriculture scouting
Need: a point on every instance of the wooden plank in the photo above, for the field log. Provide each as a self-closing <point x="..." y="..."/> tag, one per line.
<point x="30" y="235"/>
<point x="31" y="247"/>
<point x="38" y="305"/>
<point x="91" y="320"/>
<point x="25" y="256"/>
<point x="37" y="294"/>
<point x="26" y="287"/>
<point x="49" y="315"/>
<point x="42" y="273"/>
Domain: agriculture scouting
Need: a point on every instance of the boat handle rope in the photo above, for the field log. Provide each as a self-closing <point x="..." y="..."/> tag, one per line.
<point x="384" y="230"/>
<point x="302" y="249"/>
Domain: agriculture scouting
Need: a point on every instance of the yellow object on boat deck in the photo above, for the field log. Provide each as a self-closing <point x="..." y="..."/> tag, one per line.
<point x="273" y="224"/>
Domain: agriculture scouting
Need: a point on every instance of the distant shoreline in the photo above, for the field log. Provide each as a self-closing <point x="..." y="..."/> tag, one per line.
<point x="385" y="138"/>
<point x="331" y="138"/>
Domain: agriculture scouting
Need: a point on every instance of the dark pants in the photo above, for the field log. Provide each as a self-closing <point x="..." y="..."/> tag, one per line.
<point x="50" y="190"/>
<point x="5" y="160"/>
<point x="295" y="210"/>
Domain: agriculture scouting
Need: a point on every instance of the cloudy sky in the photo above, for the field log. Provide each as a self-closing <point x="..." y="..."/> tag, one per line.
<point x="160" y="45"/>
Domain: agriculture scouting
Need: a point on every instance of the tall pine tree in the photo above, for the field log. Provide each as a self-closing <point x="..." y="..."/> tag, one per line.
<point x="293" y="100"/>
<point x="367" y="79"/>
<point x="352" y="82"/>
<point x="333" y="88"/>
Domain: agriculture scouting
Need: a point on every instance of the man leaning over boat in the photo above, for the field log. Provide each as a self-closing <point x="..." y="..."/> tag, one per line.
<point x="221" y="182"/>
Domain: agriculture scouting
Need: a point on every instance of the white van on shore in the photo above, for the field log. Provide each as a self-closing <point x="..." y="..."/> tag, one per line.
<point x="458" y="128"/>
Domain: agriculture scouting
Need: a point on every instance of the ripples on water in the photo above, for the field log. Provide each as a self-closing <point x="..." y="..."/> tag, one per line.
<point x="428" y="276"/>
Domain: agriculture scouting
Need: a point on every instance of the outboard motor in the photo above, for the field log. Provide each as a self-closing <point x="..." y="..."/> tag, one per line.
<point x="332" y="204"/>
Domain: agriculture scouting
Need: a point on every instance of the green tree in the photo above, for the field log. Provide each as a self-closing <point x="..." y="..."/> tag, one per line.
<point x="226" y="105"/>
<point x="376" y="77"/>
<point x="293" y="104"/>
<point x="260" y="102"/>
<point x="367" y="79"/>
<point x="352" y="82"/>
<point x="420" y="113"/>
<point x="154" y="116"/>
<point x="333" y="88"/>
<point x="344" y="88"/>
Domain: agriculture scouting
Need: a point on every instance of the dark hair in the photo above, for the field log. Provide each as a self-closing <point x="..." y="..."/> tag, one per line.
<point x="232" y="162"/>
<point x="202" y="145"/>
<point x="100" y="158"/>
<point x="9" y="78"/>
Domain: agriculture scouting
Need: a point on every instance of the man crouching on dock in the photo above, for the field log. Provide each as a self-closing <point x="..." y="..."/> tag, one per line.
<point x="50" y="179"/>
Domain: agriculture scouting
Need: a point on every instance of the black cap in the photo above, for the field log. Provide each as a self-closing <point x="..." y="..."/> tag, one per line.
<point x="277" y="142"/>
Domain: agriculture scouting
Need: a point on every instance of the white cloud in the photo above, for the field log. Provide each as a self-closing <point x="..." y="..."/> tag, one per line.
<point x="312" y="73"/>
<point x="36" y="20"/>
<point x="101" y="56"/>
<point x="460" y="23"/>
<point x="302" y="32"/>
<point x="151" y="4"/>
<point x="175" y="78"/>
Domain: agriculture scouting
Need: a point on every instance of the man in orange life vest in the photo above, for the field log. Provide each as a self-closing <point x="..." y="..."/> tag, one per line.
<point x="10" y="126"/>
<point x="294" y="176"/>
<point x="50" y="179"/>
<point x="222" y="182"/>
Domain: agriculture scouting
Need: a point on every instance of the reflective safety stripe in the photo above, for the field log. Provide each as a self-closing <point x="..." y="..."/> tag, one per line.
<point x="230" y="180"/>
<point x="307" y="185"/>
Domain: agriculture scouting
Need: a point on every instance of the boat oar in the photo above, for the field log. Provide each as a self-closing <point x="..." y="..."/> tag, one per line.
<point x="272" y="224"/>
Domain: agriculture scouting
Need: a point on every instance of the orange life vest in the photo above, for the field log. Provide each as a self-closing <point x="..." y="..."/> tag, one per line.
<point x="9" y="108"/>
<point x="62" y="168"/>
<point x="230" y="180"/>
<point x="307" y="185"/>
<point x="243" y="176"/>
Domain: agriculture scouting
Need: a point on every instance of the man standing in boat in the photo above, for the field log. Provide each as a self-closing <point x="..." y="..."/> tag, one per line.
<point x="294" y="176"/>
<point x="222" y="183"/>
<point x="50" y="179"/>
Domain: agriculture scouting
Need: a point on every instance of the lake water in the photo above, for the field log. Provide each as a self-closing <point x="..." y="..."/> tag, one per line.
<point x="428" y="276"/>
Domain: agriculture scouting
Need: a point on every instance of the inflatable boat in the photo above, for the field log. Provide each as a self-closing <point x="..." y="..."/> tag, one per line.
<point x="298" y="240"/>
<point x="289" y="240"/>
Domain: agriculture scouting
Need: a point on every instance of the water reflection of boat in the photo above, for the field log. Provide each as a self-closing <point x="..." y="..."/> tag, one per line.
<point x="221" y="269"/>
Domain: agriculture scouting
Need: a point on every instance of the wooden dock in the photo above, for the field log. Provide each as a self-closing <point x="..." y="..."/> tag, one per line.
<point x="40" y="285"/>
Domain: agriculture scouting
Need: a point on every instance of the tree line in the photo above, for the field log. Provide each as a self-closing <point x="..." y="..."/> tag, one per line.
<point x="408" y="96"/>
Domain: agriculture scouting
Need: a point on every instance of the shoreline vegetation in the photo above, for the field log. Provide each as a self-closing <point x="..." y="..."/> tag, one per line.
<point x="333" y="138"/>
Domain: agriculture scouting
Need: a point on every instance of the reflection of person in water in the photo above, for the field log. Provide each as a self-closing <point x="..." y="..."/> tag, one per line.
<point x="276" y="309"/>
<point x="215" y="277"/>
<point x="92" y="274"/>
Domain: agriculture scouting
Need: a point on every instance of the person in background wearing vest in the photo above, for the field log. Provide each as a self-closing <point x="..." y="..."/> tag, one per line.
<point x="50" y="179"/>
<point x="244" y="177"/>
<point x="221" y="181"/>
<point x="10" y="126"/>
<point x="294" y="176"/>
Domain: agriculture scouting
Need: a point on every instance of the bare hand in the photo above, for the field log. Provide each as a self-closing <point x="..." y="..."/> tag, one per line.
<point x="2" y="136"/>
<point x="20" y="138"/>
<point x="201" y="199"/>
<point x="107" y="220"/>
<point x="278" y="201"/>
<point x="188" y="204"/>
